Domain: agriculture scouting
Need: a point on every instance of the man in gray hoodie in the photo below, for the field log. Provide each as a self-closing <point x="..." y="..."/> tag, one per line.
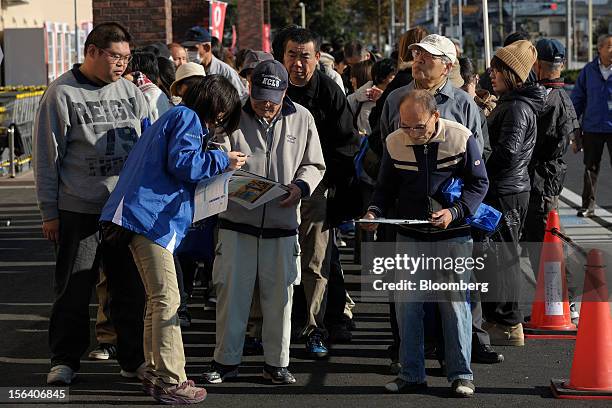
<point x="87" y="123"/>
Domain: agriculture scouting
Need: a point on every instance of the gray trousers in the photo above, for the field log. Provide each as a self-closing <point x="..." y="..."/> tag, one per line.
<point x="240" y="261"/>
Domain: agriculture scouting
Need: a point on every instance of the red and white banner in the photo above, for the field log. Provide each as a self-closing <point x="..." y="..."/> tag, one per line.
<point x="265" y="38"/>
<point x="217" y="18"/>
<point x="234" y="39"/>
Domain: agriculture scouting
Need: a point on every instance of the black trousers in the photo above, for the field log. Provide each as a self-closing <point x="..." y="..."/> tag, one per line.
<point x="335" y="296"/>
<point x="79" y="257"/>
<point x="505" y="259"/>
<point x="593" y="146"/>
<point x="535" y="226"/>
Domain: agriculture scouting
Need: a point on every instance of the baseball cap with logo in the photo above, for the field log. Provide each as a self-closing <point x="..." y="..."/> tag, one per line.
<point x="437" y="45"/>
<point x="269" y="81"/>
<point x="196" y="35"/>
<point x="550" y="50"/>
<point x="252" y="58"/>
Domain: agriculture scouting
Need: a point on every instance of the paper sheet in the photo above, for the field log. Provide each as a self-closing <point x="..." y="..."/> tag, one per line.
<point x="394" y="221"/>
<point x="211" y="196"/>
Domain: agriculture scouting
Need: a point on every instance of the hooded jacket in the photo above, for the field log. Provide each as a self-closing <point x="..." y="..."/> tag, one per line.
<point x="287" y="151"/>
<point x="402" y="78"/>
<point x="362" y="105"/>
<point x="512" y="133"/>
<point x="155" y="192"/>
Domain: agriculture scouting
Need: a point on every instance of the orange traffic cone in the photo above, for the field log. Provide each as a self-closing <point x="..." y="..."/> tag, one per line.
<point x="550" y="313"/>
<point x="591" y="375"/>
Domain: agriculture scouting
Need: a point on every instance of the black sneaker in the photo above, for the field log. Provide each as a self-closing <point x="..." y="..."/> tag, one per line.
<point x="484" y="354"/>
<point x="315" y="346"/>
<point x="400" y="386"/>
<point x="278" y="375"/>
<point x="585" y="213"/>
<point x="184" y="318"/>
<point x="217" y="373"/>
<point x="252" y="346"/>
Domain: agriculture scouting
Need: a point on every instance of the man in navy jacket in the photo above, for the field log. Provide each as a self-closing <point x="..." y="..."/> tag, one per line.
<point x="421" y="157"/>
<point x="592" y="99"/>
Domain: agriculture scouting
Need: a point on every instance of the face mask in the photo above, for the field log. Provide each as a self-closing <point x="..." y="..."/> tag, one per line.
<point x="194" y="56"/>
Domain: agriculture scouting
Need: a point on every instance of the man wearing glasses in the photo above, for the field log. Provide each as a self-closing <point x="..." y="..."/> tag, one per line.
<point x="420" y="158"/>
<point x="433" y="58"/>
<point x="87" y="123"/>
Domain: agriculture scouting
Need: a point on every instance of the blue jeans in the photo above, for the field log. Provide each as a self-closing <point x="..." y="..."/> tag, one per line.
<point x="456" y="320"/>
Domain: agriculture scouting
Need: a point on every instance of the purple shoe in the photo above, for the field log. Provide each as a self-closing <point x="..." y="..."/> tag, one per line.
<point x="179" y="394"/>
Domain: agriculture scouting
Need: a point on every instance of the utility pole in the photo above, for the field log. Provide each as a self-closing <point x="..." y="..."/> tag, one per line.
<point x="485" y="26"/>
<point x="514" y="15"/>
<point x="303" y="7"/>
<point x="460" y="12"/>
<point x="392" y="23"/>
<point x="590" y="28"/>
<point x="436" y="11"/>
<point x="501" y="22"/>
<point x="76" y="34"/>
<point x="378" y="42"/>
<point x="406" y="15"/>
<point x="568" y="32"/>
<point x="451" y="18"/>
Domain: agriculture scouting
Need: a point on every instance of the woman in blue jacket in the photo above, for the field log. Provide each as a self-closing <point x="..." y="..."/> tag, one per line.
<point x="152" y="205"/>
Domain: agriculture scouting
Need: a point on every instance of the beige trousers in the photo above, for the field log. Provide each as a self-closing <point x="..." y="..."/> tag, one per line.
<point x="314" y="239"/>
<point x="105" y="331"/>
<point x="241" y="260"/>
<point x="163" y="344"/>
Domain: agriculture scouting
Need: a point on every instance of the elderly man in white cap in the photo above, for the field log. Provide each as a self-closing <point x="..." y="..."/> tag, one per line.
<point x="434" y="57"/>
<point x="282" y="143"/>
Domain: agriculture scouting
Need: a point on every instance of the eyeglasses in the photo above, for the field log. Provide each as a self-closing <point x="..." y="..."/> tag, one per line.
<point x="115" y="58"/>
<point x="417" y="52"/>
<point x="418" y="129"/>
<point x="219" y="122"/>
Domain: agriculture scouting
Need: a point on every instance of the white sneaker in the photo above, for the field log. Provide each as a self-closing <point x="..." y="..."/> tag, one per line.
<point x="103" y="352"/>
<point x="574" y="313"/>
<point x="61" y="375"/>
<point x="139" y="373"/>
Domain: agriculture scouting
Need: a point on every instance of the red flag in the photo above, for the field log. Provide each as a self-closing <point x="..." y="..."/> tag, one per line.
<point x="265" y="38"/>
<point x="217" y="18"/>
<point x="234" y="39"/>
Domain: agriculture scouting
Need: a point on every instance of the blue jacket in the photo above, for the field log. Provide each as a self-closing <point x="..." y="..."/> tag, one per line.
<point x="592" y="99"/>
<point x="155" y="192"/>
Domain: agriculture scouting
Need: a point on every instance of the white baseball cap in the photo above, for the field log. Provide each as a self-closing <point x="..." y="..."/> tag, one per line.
<point x="185" y="71"/>
<point x="438" y="45"/>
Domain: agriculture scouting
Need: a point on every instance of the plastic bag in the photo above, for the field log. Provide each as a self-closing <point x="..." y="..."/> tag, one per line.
<point x="486" y="217"/>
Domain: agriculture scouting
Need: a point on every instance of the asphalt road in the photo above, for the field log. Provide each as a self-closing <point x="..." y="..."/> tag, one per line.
<point x="574" y="177"/>
<point x="353" y="376"/>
